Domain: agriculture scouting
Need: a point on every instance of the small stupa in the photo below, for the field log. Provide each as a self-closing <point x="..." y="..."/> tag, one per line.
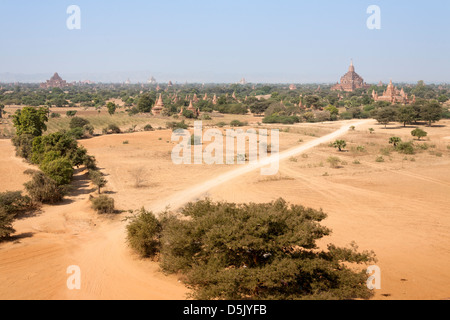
<point x="158" y="107"/>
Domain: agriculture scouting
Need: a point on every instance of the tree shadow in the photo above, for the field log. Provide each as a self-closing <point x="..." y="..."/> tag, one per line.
<point x="25" y="235"/>
<point x="16" y="238"/>
<point x="28" y="214"/>
<point x="81" y="185"/>
<point x="401" y="127"/>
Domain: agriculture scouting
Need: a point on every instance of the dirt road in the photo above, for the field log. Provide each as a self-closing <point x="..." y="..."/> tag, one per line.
<point x="34" y="266"/>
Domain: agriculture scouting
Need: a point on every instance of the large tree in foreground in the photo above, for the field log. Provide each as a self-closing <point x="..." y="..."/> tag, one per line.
<point x="252" y="251"/>
<point x="30" y="121"/>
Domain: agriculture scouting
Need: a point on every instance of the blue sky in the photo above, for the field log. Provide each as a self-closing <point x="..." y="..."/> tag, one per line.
<point x="225" y="40"/>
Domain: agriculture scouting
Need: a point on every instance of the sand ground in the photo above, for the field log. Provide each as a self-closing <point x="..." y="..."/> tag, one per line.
<point x="398" y="208"/>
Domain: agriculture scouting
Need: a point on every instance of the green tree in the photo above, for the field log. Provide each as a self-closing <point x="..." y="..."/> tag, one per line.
<point x="258" y="251"/>
<point x="334" y="112"/>
<point x="259" y="107"/>
<point x="431" y="112"/>
<point x="97" y="179"/>
<point x="71" y="113"/>
<point x="111" y="108"/>
<point x="144" y="233"/>
<point x="77" y="122"/>
<point x="407" y="115"/>
<point x="6" y="224"/>
<point x="145" y="103"/>
<point x="2" y="107"/>
<point x="43" y="189"/>
<point x="419" y="133"/>
<point x="29" y="120"/>
<point x="340" y="144"/>
<point x="63" y="144"/>
<point x="386" y="115"/>
<point x="395" y="141"/>
<point x="103" y="204"/>
<point x="60" y="170"/>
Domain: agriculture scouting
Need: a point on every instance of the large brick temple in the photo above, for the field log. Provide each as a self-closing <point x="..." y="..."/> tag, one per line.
<point x="55" y="82"/>
<point x="350" y="81"/>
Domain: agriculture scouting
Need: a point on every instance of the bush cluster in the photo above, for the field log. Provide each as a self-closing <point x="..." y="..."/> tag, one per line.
<point x="103" y="204"/>
<point x="281" y="119"/>
<point x="143" y="233"/>
<point x="250" y="251"/>
<point x="12" y="203"/>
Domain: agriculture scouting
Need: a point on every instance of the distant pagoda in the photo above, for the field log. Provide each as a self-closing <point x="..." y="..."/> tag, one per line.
<point x="158" y="107"/>
<point x="350" y="81"/>
<point x="55" y="82"/>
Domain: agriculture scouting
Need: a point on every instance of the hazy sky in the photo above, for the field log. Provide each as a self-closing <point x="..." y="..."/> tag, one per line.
<point x="225" y="40"/>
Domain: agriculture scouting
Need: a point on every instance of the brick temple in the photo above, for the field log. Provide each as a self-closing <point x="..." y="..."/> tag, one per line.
<point x="350" y="81"/>
<point x="393" y="95"/>
<point x="55" y="82"/>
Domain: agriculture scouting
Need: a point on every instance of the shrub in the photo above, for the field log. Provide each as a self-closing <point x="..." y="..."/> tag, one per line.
<point x="405" y="148"/>
<point x="43" y="189"/>
<point x="361" y="149"/>
<point x="423" y="146"/>
<point x="89" y="129"/>
<point x="6" y="221"/>
<point x="112" y="128"/>
<point x="334" y="162"/>
<point x="77" y="122"/>
<point x="133" y="111"/>
<point x="221" y="124"/>
<point x="143" y="233"/>
<point x="90" y="162"/>
<point x="76" y="133"/>
<point x="24" y="145"/>
<point x="71" y="113"/>
<point x="103" y="204"/>
<point x="55" y="115"/>
<point x="281" y="119"/>
<point x="148" y="127"/>
<point x="189" y="114"/>
<point x="60" y="170"/>
<point x="237" y="123"/>
<point x="379" y="159"/>
<point x="259" y="251"/>
<point x="13" y="202"/>
<point x="177" y="125"/>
